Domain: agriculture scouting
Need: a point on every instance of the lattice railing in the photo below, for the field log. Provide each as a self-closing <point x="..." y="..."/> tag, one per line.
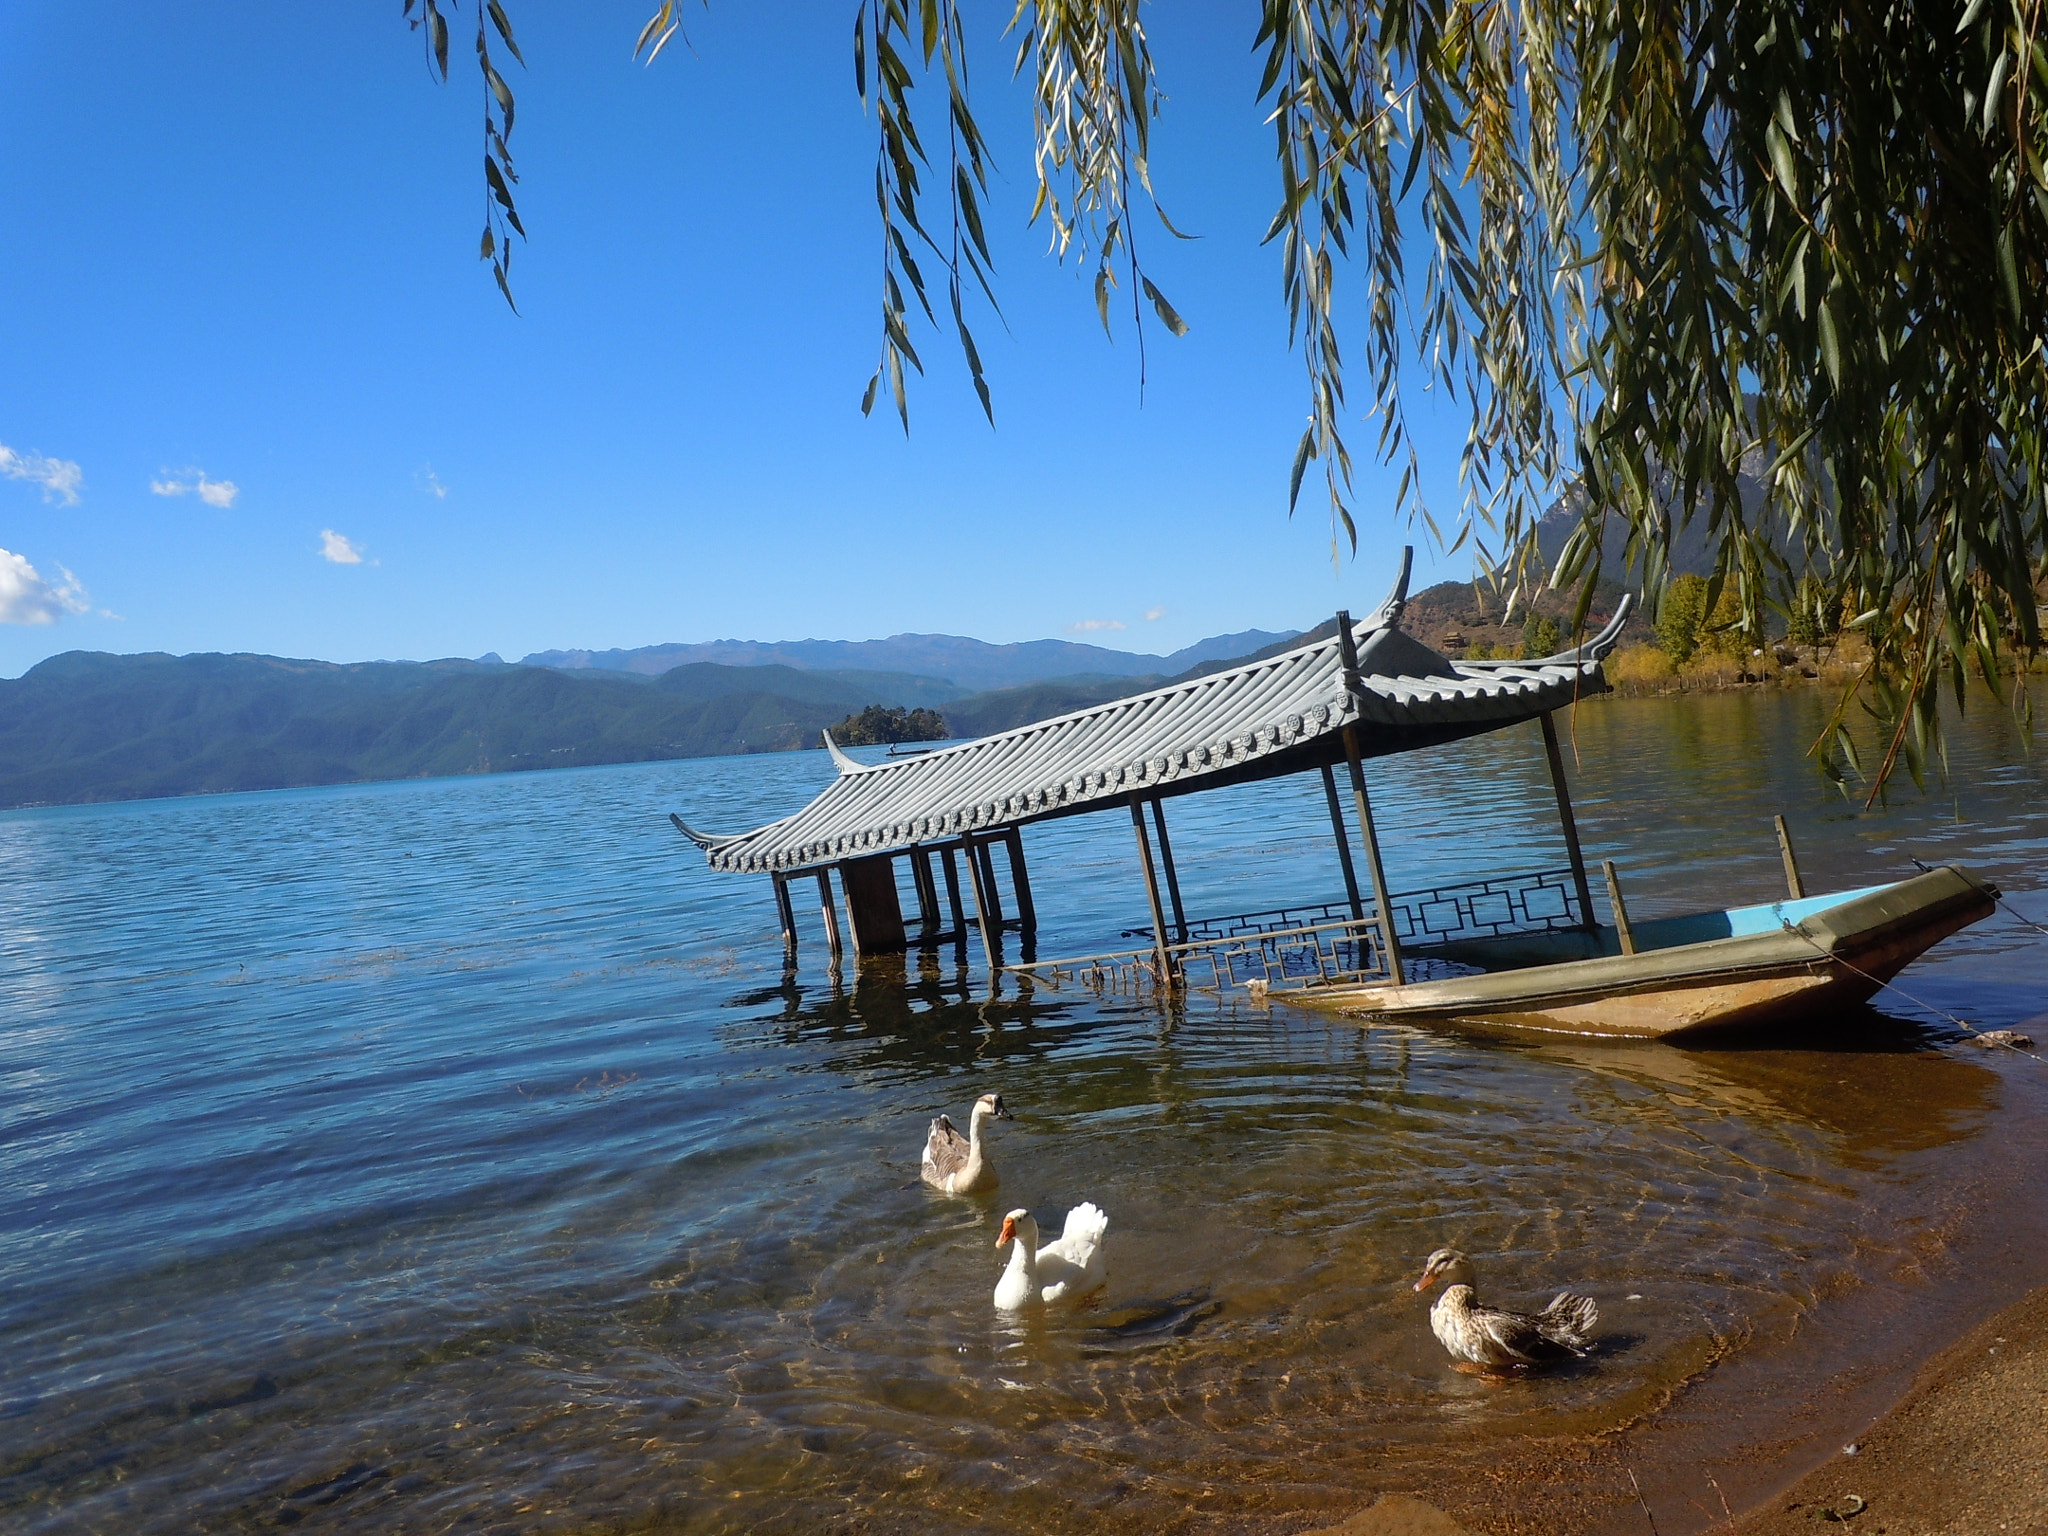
<point x="1278" y="959"/>
<point x="1273" y="920"/>
<point x="1488" y="909"/>
<point x="1320" y="943"/>
<point x="1473" y="909"/>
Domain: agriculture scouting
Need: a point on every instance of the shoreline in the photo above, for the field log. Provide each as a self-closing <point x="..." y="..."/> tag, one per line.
<point x="1948" y="1412"/>
<point x="1964" y="1450"/>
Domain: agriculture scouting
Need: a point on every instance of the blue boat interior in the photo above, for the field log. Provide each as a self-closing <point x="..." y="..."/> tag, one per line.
<point x="1517" y="951"/>
<point x="1739" y="922"/>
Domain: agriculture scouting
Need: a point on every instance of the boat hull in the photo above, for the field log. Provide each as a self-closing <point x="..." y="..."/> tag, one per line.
<point x="1834" y="958"/>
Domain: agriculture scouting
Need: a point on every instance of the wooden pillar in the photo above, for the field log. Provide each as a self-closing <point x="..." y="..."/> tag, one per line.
<point x="989" y="933"/>
<point x="1623" y="930"/>
<point x="927" y="890"/>
<point x="1152" y="893"/>
<point x="1343" y="842"/>
<point x="1180" y="916"/>
<point x="953" y="894"/>
<point x="1020" y="882"/>
<point x="1571" y="826"/>
<point x="874" y="911"/>
<point x="1792" y="880"/>
<point x="784" y="911"/>
<point x="1388" y="937"/>
<point x="830" y="916"/>
<point x="985" y="862"/>
<point x="1347" y="648"/>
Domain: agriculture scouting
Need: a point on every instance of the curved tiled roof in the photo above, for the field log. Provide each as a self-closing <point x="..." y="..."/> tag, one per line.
<point x="1258" y="720"/>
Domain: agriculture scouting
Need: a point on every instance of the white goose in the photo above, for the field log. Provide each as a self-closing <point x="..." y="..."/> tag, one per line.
<point x="958" y="1164"/>
<point x="1064" y="1270"/>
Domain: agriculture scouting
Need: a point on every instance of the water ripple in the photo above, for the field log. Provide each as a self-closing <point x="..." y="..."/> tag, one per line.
<point x="405" y="1157"/>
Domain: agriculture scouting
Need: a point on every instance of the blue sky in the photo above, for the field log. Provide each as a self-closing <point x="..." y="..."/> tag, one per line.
<point x="247" y="333"/>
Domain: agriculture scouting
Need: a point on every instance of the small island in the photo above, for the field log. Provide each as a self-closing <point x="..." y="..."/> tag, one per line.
<point x="882" y="725"/>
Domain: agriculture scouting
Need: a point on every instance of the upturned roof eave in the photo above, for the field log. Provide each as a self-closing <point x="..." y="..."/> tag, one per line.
<point x="1266" y="719"/>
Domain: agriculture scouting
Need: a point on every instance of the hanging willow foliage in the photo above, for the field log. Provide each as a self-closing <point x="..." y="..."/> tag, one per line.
<point x="1667" y="252"/>
<point x="501" y="215"/>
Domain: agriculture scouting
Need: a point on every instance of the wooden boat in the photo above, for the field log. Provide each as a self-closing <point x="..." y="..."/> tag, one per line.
<point x="1742" y="968"/>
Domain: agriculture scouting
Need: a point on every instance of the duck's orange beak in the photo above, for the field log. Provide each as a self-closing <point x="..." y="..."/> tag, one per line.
<point x="1009" y="1230"/>
<point x="1428" y="1279"/>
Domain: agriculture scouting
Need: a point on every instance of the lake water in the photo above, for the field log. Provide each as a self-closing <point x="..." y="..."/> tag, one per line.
<point x="456" y="1155"/>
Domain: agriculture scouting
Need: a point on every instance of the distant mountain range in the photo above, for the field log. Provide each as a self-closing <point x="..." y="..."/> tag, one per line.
<point x="88" y="726"/>
<point x="972" y="664"/>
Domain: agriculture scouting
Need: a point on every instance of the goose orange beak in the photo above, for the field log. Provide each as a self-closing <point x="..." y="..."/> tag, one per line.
<point x="1009" y="1230"/>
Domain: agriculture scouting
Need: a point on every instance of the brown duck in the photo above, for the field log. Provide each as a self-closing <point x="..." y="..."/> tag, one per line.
<point x="1494" y="1338"/>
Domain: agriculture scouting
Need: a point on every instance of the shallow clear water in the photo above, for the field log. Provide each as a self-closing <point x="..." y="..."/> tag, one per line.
<point x="456" y="1153"/>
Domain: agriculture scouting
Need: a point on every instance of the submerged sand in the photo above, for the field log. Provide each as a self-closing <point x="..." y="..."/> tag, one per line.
<point x="1963" y="1453"/>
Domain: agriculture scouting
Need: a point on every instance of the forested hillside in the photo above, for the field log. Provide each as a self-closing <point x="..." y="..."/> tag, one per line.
<point x="85" y="726"/>
<point x="88" y="726"/>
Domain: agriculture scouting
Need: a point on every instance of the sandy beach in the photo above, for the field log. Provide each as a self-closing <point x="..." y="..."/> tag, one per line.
<point x="1963" y="1453"/>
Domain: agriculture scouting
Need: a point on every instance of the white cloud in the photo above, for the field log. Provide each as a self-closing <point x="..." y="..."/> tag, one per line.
<point x="25" y="598"/>
<point x="215" y="493"/>
<point x="432" y="482"/>
<point x="1154" y="615"/>
<point x="1090" y="626"/>
<point x="338" y="549"/>
<point x="59" y="478"/>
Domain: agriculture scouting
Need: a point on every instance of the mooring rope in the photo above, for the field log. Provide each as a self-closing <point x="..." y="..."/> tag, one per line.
<point x="2020" y="916"/>
<point x="1987" y="1037"/>
<point x="1998" y="896"/>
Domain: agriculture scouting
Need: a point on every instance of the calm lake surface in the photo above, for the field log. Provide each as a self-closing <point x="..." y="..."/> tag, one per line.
<point x="456" y="1155"/>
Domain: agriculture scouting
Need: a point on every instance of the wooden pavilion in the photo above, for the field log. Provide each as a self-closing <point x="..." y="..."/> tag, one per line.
<point x="1366" y="691"/>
